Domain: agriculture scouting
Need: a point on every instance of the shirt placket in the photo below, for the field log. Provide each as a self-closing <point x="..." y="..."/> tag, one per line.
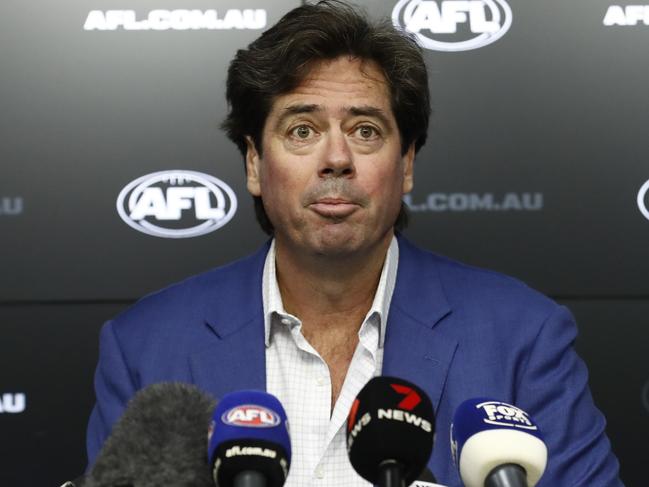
<point x="318" y="396"/>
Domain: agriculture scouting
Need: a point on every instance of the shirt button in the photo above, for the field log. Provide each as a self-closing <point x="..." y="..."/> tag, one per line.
<point x="286" y="321"/>
<point x="321" y="381"/>
<point x="319" y="472"/>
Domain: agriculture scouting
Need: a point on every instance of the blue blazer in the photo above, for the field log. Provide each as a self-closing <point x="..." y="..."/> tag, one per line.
<point x="456" y="331"/>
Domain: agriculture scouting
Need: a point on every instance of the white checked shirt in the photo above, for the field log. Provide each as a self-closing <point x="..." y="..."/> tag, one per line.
<point x="299" y="377"/>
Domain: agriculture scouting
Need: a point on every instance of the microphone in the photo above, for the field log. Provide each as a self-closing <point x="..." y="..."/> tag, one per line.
<point x="390" y="431"/>
<point x="248" y="441"/>
<point x="159" y="441"/>
<point x="495" y="444"/>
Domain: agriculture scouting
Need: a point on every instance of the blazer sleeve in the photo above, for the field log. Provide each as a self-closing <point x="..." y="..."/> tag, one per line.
<point x="114" y="386"/>
<point x="554" y="389"/>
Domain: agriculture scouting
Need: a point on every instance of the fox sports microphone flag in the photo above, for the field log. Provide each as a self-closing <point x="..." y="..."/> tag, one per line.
<point x="487" y="434"/>
<point x="249" y="433"/>
<point x="390" y="422"/>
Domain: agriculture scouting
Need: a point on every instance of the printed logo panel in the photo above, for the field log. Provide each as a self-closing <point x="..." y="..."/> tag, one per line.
<point x="643" y="196"/>
<point x="176" y="204"/>
<point x="178" y="19"/>
<point x="453" y="25"/>
<point x="468" y="202"/>
<point x="11" y="206"/>
<point x="626" y="15"/>
<point x="13" y="403"/>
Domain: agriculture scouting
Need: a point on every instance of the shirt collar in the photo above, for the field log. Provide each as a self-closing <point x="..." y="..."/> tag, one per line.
<point x="273" y="304"/>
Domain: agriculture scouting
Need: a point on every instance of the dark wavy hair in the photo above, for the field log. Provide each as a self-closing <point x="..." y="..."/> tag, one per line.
<point x="282" y="56"/>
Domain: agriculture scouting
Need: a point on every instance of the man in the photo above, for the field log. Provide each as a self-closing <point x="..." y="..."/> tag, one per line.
<point x="329" y="113"/>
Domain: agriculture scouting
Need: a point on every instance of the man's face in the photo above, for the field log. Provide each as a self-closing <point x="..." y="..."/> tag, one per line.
<point x="332" y="174"/>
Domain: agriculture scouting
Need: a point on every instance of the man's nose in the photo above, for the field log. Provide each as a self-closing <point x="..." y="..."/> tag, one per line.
<point x="338" y="160"/>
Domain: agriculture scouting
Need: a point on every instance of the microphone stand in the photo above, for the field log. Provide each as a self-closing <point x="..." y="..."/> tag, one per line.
<point x="249" y="478"/>
<point x="391" y="474"/>
<point x="508" y="475"/>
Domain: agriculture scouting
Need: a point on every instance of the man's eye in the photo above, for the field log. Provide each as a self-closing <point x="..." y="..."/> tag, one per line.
<point x="302" y="131"/>
<point x="366" y="131"/>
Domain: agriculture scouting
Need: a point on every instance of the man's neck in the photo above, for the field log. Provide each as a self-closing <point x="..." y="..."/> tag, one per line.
<point x="318" y="287"/>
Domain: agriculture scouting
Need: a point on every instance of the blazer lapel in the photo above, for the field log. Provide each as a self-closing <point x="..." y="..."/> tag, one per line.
<point x="234" y="355"/>
<point x="415" y="349"/>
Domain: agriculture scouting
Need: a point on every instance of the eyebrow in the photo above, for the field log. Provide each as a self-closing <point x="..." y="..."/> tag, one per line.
<point x="370" y="111"/>
<point x="363" y="110"/>
<point x="296" y="110"/>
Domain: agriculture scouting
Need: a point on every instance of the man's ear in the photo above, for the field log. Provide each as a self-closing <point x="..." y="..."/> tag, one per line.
<point x="408" y="161"/>
<point x="252" y="167"/>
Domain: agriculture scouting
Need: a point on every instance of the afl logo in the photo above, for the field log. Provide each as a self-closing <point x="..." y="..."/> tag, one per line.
<point x="252" y="416"/>
<point x="176" y="204"/>
<point x="452" y="25"/>
<point x="642" y="200"/>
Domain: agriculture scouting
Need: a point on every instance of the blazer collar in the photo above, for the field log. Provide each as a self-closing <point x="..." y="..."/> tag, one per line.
<point x="415" y="349"/>
<point x="418" y="290"/>
<point x="235" y="358"/>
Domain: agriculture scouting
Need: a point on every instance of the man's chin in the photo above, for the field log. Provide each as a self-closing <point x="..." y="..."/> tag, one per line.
<point x="338" y="242"/>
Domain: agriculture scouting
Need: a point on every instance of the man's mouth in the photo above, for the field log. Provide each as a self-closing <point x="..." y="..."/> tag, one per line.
<point x="332" y="207"/>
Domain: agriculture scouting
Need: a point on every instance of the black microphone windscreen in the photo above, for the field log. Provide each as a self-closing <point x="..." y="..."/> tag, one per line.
<point x="391" y="419"/>
<point x="160" y="440"/>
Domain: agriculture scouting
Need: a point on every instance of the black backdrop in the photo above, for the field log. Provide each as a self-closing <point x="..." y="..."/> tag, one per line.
<point x="536" y="157"/>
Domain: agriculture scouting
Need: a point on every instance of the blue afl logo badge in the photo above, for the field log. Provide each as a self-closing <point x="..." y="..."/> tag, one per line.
<point x="251" y="416"/>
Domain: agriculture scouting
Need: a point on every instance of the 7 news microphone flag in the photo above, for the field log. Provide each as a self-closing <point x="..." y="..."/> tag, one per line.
<point x="390" y="432"/>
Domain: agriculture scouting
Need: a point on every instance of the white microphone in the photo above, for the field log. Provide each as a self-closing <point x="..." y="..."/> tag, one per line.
<point x="495" y="444"/>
